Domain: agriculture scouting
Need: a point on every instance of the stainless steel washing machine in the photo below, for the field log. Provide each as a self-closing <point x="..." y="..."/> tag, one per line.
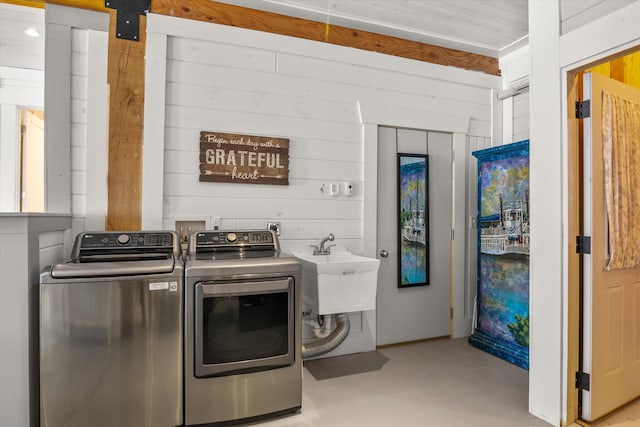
<point x="111" y="333"/>
<point x="243" y="332"/>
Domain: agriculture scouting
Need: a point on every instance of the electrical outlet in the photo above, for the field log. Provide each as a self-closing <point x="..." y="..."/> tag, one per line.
<point x="216" y="222"/>
<point x="348" y="188"/>
<point x="185" y="228"/>
<point x="274" y="226"/>
<point x="334" y="189"/>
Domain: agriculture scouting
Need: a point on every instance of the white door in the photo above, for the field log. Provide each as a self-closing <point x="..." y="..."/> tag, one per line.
<point x="611" y="304"/>
<point x="414" y="313"/>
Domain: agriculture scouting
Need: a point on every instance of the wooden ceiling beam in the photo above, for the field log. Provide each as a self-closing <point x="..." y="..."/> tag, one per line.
<point x="242" y="17"/>
<point x="81" y="4"/>
<point x="29" y="3"/>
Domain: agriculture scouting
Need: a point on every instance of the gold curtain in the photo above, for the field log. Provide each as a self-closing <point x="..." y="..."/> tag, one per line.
<point x="621" y="152"/>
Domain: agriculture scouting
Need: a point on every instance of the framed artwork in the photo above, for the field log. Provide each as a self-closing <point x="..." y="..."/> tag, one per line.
<point x="413" y="220"/>
<point x="502" y="322"/>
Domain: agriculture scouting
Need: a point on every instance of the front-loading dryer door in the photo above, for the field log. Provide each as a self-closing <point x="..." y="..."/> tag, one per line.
<point x="243" y="326"/>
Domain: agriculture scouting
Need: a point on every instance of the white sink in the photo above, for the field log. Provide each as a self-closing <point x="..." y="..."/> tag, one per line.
<point x="339" y="283"/>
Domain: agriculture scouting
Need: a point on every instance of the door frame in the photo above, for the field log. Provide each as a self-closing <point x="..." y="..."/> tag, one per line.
<point x="457" y="125"/>
<point x="438" y="147"/>
<point x="574" y="227"/>
<point x="574" y="195"/>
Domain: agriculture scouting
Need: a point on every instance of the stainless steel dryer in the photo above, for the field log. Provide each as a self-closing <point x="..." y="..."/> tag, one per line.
<point x="243" y="336"/>
<point x="111" y="333"/>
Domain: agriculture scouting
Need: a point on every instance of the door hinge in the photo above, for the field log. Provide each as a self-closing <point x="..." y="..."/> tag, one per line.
<point x="451" y="313"/>
<point x="583" y="244"/>
<point x="583" y="109"/>
<point x="583" y="380"/>
<point x="453" y="234"/>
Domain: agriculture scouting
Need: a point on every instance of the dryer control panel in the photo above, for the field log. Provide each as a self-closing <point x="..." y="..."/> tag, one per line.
<point x="119" y="240"/>
<point x="234" y="240"/>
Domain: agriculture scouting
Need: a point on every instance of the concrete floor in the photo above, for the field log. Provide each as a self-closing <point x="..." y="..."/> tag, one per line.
<point x="432" y="384"/>
<point x="445" y="383"/>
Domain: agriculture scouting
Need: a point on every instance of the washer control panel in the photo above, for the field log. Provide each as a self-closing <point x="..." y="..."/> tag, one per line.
<point x="126" y="240"/>
<point x="102" y="246"/>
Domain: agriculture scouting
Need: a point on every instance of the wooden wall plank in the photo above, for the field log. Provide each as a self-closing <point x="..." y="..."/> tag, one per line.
<point x="632" y="69"/>
<point x="236" y="16"/>
<point x="617" y="69"/>
<point x="126" y="118"/>
<point x="624" y="69"/>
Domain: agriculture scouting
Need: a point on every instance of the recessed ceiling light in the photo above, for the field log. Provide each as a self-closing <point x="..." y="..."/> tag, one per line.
<point x="32" y="32"/>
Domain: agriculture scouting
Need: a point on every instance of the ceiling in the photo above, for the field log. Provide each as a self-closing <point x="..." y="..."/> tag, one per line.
<point x="17" y="49"/>
<point x="486" y="27"/>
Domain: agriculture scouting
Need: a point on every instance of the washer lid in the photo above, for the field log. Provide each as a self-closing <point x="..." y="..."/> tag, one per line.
<point x="75" y="270"/>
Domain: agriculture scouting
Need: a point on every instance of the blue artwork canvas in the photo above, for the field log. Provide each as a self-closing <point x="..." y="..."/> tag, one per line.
<point x="413" y="244"/>
<point x="502" y="322"/>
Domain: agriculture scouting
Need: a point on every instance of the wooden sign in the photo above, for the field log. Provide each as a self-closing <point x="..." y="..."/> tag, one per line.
<point x="247" y="159"/>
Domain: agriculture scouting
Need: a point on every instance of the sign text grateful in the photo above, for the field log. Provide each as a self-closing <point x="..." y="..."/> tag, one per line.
<point x="250" y="159"/>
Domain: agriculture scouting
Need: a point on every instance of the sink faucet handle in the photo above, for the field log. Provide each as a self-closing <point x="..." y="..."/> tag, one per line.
<point x="316" y="249"/>
<point x="327" y="249"/>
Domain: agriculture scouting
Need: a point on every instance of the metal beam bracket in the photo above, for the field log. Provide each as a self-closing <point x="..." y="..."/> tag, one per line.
<point x="128" y="16"/>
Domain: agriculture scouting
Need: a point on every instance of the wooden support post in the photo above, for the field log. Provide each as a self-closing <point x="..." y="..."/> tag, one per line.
<point x="126" y="118"/>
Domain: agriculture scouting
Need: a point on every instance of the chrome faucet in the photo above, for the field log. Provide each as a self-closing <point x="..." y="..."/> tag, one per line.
<point x="322" y="250"/>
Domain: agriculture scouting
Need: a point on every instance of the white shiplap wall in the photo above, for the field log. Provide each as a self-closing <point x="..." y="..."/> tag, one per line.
<point x="249" y="96"/>
<point x="516" y="71"/>
<point x="82" y="39"/>
<point x="208" y="77"/>
<point x="259" y="86"/>
<point x="76" y="99"/>
<point x="521" y="117"/>
<point x="89" y="100"/>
